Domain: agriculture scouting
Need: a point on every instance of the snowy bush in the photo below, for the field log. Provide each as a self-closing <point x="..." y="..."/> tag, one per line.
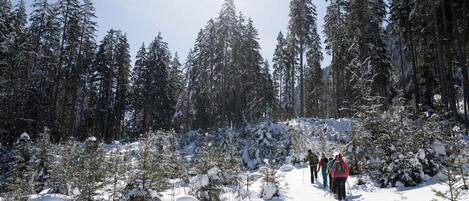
<point x="401" y="170"/>
<point x="270" y="182"/>
<point x="397" y="148"/>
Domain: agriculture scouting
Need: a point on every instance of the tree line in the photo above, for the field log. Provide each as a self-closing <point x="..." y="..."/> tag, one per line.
<point x="55" y="74"/>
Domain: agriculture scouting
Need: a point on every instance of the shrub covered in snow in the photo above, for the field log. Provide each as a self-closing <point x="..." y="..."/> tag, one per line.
<point x="398" y="148"/>
<point x="270" y="181"/>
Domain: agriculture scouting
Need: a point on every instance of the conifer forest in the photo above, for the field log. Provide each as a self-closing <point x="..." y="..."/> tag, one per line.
<point x="84" y="116"/>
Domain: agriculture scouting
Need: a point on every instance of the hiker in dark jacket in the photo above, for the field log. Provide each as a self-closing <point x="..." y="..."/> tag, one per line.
<point x="313" y="160"/>
<point x="323" y="166"/>
<point x="340" y="172"/>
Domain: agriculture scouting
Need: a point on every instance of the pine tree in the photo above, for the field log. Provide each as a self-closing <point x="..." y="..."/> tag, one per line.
<point x="314" y="85"/>
<point x="369" y="67"/>
<point x="208" y="185"/>
<point x="226" y="75"/>
<point x="44" y="161"/>
<point x="92" y="169"/>
<point x="270" y="181"/>
<point x="22" y="168"/>
<point x="279" y="75"/>
<point x="117" y="170"/>
<point x="336" y="46"/>
<point x="44" y="31"/>
<point x="303" y="28"/>
<point x="157" y="87"/>
<point x="112" y="77"/>
<point x="138" y="90"/>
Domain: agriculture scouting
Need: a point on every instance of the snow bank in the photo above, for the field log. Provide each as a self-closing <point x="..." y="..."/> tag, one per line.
<point x="186" y="198"/>
<point x="49" y="197"/>
<point x="287" y="168"/>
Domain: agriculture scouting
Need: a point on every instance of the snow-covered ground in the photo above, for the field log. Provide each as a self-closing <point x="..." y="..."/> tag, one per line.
<point x="323" y="136"/>
<point x="295" y="186"/>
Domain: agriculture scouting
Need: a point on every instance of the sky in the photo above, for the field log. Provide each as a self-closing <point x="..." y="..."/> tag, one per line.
<point x="179" y="21"/>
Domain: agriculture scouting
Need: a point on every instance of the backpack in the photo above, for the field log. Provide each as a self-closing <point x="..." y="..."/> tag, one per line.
<point x="339" y="169"/>
<point x="324" y="163"/>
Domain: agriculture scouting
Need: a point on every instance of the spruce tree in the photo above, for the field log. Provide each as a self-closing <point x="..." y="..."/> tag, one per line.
<point x="303" y="28"/>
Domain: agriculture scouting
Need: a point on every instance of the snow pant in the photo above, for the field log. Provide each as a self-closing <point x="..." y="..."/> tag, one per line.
<point x="324" y="178"/>
<point x="331" y="182"/>
<point x="313" y="172"/>
<point x="339" y="184"/>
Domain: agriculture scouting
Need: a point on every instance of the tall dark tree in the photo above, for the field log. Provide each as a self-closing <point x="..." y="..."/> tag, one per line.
<point x="303" y="28"/>
<point x="113" y="65"/>
<point x="336" y="46"/>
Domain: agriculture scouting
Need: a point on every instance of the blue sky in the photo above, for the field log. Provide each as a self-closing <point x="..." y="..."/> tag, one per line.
<point x="180" y="20"/>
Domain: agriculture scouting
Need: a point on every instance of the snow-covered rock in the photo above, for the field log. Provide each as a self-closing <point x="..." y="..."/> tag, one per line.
<point x="439" y="148"/>
<point x="213" y="173"/>
<point x="199" y="181"/>
<point x="255" y="176"/>
<point x="49" y="197"/>
<point x="23" y="137"/>
<point x="186" y="198"/>
<point x="287" y="168"/>
<point x="92" y="139"/>
<point x="269" y="191"/>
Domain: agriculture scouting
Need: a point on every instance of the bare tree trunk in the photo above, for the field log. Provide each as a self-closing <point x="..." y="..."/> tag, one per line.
<point x="449" y="75"/>
<point x="301" y="78"/>
<point x="439" y="57"/>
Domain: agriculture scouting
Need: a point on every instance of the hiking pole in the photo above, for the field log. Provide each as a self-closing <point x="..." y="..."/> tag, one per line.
<point x="349" y="189"/>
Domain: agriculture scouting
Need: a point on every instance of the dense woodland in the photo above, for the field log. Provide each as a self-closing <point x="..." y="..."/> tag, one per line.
<point x="55" y="74"/>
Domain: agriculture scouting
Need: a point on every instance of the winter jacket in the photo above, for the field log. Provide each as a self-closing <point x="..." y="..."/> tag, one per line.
<point x="329" y="165"/>
<point x="312" y="159"/>
<point x="342" y="175"/>
<point x="320" y="164"/>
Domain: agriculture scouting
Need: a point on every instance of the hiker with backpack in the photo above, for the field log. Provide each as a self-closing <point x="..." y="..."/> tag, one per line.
<point x="313" y="160"/>
<point x="340" y="172"/>
<point x="323" y="166"/>
<point x="328" y="171"/>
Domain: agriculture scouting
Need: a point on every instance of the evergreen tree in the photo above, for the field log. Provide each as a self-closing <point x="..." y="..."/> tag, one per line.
<point x="21" y="174"/>
<point x="158" y="95"/>
<point x="44" y="161"/>
<point x="302" y="26"/>
<point x="138" y="91"/>
<point x="44" y="40"/>
<point x="336" y="46"/>
<point x="369" y="67"/>
<point x="113" y="64"/>
<point x="226" y="75"/>
<point x="279" y="75"/>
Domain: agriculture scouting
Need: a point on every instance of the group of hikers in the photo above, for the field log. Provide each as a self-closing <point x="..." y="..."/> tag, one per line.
<point x="334" y="169"/>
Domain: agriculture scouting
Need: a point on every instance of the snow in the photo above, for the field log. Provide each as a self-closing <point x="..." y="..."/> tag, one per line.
<point x="92" y="139"/>
<point x="295" y="186"/>
<point x="24" y="137"/>
<point x="186" y="198"/>
<point x="439" y="148"/>
<point x="287" y="168"/>
<point x="269" y="191"/>
<point x="199" y="181"/>
<point x="294" y="180"/>
<point x="49" y="197"/>
<point x="213" y="173"/>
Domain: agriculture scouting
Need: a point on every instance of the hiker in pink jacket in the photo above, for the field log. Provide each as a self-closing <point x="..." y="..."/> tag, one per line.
<point x="339" y="172"/>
